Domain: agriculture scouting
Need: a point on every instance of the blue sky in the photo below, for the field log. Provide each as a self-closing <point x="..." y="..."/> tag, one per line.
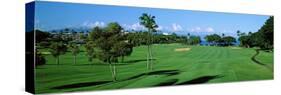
<point x="51" y="15"/>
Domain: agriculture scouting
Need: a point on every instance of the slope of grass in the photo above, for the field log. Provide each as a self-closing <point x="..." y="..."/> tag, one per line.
<point x="201" y="64"/>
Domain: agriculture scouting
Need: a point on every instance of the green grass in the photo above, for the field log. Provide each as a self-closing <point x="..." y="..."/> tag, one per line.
<point x="201" y="64"/>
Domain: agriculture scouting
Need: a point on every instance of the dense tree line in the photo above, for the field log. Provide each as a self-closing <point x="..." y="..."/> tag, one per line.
<point x="138" y="38"/>
<point x="263" y="38"/>
<point x="217" y="40"/>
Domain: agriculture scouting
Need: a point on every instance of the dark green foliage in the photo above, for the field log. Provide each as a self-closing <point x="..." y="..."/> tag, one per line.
<point x="246" y="41"/>
<point x="193" y="40"/>
<point x="75" y="50"/>
<point x="228" y="40"/>
<point x="122" y="49"/>
<point x="105" y="39"/>
<point x="90" y="45"/>
<point x="148" y="22"/>
<point x="43" y="44"/>
<point x="262" y="39"/>
<point x="41" y="36"/>
<point x="57" y="49"/>
<point x="213" y="39"/>
<point x="40" y="60"/>
<point x="110" y="43"/>
<point x="42" y="39"/>
<point x="140" y="38"/>
<point x="217" y="40"/>
<point x="266" y="34"/>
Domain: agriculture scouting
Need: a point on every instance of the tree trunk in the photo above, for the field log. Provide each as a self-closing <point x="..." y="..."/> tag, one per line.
<point x="114" y="72"/>
<point x="147" y="62"/>
<point x="122" y="59"/>
<point x="112" y="69"/>
<point x="74" y="59"/>
<point x="151" y="58"/>
<point x="58" y="60"/>
<point x="149" y="51"/>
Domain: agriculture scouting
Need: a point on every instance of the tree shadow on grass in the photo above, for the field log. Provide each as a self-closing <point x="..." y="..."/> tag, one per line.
<point x="84" y="84"/>
<point x="55" y="64"/>
<point x="87" y="84"/>
<point x="167" y="83"/>
<point x="253" y="58"/>
<point x="198" y="80"/>
<point x="101" y="64"/>
<point x="138" y="60"/>
<point x="160" y="72"/>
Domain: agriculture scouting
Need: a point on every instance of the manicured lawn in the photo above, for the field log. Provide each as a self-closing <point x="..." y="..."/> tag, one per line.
<point x="197" y="64"/>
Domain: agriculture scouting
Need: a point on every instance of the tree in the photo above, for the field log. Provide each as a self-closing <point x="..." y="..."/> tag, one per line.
<point x="148" y="21"/>
<point x="238" y="33"/>
<point x="57" y="49"/>
<point x="266" y="36"/>
<point x="123" y="49"/>
<point x="195" y="40"/>
<point x="222" y="35"/>
<point x="263" y="38"/>
<point x="213" y="39"/>
<point x="40" y="60"/>
<point x="229" y="40"/>
<point x="245" y="40"/>
<point x="41" y="36"/>
<point x="188" y="42"/>
<point x="42" y="39"/>
<point x="90" y="50"/>
<point x="75" y="51"/>
<point x="106" y="42"/>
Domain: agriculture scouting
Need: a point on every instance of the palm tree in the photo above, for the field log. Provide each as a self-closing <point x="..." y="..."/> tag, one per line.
<point x="188" y="39"/>
<point x="148" y="21"/>
<point x="238" y="33"/>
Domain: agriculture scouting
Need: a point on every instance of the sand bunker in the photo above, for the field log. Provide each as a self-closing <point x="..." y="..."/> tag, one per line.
<point x="236" y="48"/>
<point x="182" y="49"/>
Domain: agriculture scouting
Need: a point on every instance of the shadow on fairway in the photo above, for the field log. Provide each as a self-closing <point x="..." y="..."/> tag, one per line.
<point x="160" y="72"/>
<point x="87" y="84"/>
<point x="138" y="60"/>
<point x="198" y="80"/>
<point x="254" y="58"/>
<point x="167" y="83"/>
<point x="101" y="64"/>
<point x="77" y="85"/>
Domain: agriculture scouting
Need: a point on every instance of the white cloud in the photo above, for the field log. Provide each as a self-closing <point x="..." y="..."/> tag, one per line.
<point x="93" y="24"/>
<point x="165" y="33"/>
<point x="209" y="29"/>
<point x="138" y="26"/>
<point x="176" y="27"/>
<point x="200" y="29"/>
<point x="135" y="26"/>
<point x="196" y="29"/>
